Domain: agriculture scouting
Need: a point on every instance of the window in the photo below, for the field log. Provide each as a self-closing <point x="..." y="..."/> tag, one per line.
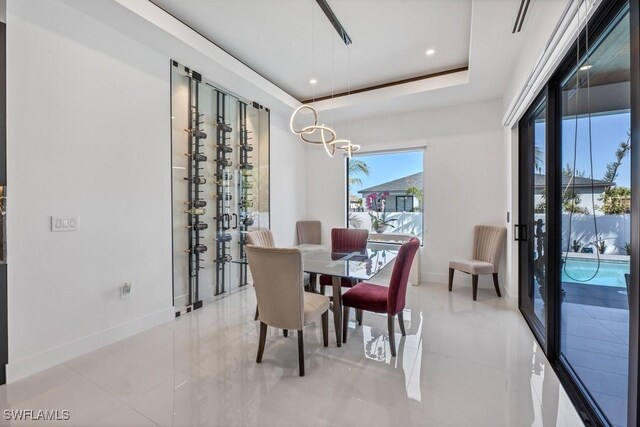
<point x="386" y="192"/>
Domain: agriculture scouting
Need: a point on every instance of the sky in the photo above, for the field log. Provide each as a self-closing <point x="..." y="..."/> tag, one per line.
<point x="607" y="131"/>
<point x="387" y="167"/>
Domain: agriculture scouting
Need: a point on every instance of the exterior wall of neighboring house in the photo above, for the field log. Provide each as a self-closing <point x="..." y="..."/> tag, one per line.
<point x="585" y="198"/>
<point x="392" y="201"/>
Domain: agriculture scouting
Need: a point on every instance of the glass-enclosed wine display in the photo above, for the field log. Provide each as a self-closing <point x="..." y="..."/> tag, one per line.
<point x="220" y="185"/>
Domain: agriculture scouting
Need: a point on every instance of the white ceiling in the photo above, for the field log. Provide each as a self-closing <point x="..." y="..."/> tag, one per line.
<point x="291" y="41"/>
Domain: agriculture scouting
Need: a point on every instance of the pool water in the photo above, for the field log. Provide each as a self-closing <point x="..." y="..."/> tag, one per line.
<point x="611" y="273"/>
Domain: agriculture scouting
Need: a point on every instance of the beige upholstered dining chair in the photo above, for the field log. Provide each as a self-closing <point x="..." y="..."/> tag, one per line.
<point x="488" y="242"/>
<point x="261" y="238"/>
<point x="277" y="277"/>
<point x="309" y="232"/>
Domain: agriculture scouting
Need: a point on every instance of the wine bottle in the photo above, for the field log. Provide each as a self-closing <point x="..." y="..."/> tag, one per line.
<point x="224" y="162"/>
<point x="246" y="147"/>
<point x="224" y="237"/>
<point x="196" y="133"/>
<point x="224" y="148"/>
<point x="198" y="249"/>
<point x="196" y="211"/>
<point x="199" y="203"/>
<point x="224" y="258"/>
<point x="222" y="125"/>
<point x="199" y="226"/>
<point x="197" y="180"/>
<point x="197" y="157"/>
<point x="248" y="185"/>
<point x="246" y="166"/>
<point x="226" y="197"/>
<point x="247" y="203"/>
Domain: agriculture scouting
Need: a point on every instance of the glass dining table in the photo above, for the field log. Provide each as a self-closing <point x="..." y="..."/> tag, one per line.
<point x="359" y="266"/>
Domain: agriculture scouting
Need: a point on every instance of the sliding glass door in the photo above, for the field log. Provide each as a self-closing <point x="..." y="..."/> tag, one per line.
<point x="596" y="218"/>
<point x="531" y="230"/>
<point x="577" y="279"/>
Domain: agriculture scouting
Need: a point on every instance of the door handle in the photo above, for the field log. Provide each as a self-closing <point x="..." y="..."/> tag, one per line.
<point x="520" y="232"/>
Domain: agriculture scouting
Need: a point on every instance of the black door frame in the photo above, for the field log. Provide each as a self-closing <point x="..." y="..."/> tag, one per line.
<point x="4" y="337"/>
<point x="524" y="228"/>
<point x="550" y="342"/>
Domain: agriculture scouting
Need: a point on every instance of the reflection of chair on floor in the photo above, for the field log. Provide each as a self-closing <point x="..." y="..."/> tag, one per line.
<point x="277" y="277"/>
<point x="382" y="299"/>
<point x="488" y="242"/>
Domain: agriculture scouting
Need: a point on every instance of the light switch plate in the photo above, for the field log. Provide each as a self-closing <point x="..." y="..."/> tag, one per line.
<point x="64" y="223"/>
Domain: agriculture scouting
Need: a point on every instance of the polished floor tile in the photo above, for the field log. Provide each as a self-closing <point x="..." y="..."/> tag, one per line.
<point x="462" y="363"/>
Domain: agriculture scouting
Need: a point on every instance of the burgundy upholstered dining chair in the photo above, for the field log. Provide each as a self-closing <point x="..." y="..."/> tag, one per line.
<point x="345" y="240"/>
<point x="382" y="299"/>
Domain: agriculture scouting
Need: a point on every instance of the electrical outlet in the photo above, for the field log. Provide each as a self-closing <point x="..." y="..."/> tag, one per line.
<point x="125" y="290"/>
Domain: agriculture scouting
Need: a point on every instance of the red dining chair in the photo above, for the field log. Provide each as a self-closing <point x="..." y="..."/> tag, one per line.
<point x="382" y="299"/>
<point x="345" y="240"/>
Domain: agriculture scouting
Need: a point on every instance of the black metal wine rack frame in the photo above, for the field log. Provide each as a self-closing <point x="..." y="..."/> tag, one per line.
<point x="223" y="176"/>
<point x="245" y="185"/>
<point x="194" y="179"/>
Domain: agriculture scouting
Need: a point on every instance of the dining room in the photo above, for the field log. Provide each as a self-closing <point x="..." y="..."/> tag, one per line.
<point x="319" y="213"/>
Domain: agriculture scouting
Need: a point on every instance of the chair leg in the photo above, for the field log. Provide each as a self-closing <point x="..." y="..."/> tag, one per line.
<point x="285" y="332"/>
<point x="474" y="281"/>
<point x="401" y="322"/>
<point x="451" y="271"/>
<point x="359" y="316"/>
<point x="392" y="334"/>
<point x="301" y="352"/>
<point x="345" y="323"/>
<point x="263" y="338"/>
<point x="257" y="313"/>
<point x="325" y="328"/>
<point x="496" y="284"/>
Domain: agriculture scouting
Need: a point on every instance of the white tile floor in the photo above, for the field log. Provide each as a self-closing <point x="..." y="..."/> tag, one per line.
<point x="461" y="364"/>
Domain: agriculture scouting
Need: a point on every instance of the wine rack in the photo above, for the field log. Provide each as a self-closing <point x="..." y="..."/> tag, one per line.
<point x="245" y="185"/>
<point x="220" y="186"/>
<point x="195" y="204"/>
<point x="223" y="197"/>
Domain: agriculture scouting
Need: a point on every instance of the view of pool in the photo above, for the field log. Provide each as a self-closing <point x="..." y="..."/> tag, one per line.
<point x="611" y="273"/>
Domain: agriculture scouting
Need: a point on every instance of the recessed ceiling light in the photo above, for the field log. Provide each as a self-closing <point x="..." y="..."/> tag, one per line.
<point x="313" y="81"/>
<point x="430" y="52"/>
<point x="585" y="67"/>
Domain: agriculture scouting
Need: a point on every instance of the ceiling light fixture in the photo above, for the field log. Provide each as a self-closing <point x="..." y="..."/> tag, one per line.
<point x="585" y="67"/>
<point x="430" y="52"/>
<point x="327" y="136"/>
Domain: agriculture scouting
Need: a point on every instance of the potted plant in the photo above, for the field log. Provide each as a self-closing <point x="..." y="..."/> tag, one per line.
<point x="380" y="223"/>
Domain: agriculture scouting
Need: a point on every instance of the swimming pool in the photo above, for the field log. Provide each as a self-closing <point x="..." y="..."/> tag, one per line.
<point x="611" y="273"/>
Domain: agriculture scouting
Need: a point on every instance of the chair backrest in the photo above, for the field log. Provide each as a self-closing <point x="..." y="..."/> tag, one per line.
<point x="347" y="240"/>
<point x="396" y="298"/>
<point x="488" y="241"/>
<point x="261" y="238"/>
<point x="309" y="232"/>
<point x="278" y="281"/>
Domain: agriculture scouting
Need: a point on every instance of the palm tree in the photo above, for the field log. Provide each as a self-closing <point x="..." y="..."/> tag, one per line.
<point x="357" y="167"/>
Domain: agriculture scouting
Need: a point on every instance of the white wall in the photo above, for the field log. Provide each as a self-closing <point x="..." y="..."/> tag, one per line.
<point x="464" y="180"/>
<point x="89" y="135"/>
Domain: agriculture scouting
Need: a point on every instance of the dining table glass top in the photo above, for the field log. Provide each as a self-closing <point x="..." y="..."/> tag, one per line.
<point x="356" y="265"/>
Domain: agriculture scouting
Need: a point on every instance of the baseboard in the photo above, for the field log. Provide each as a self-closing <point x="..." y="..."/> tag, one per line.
<point x="28" y="366"/>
